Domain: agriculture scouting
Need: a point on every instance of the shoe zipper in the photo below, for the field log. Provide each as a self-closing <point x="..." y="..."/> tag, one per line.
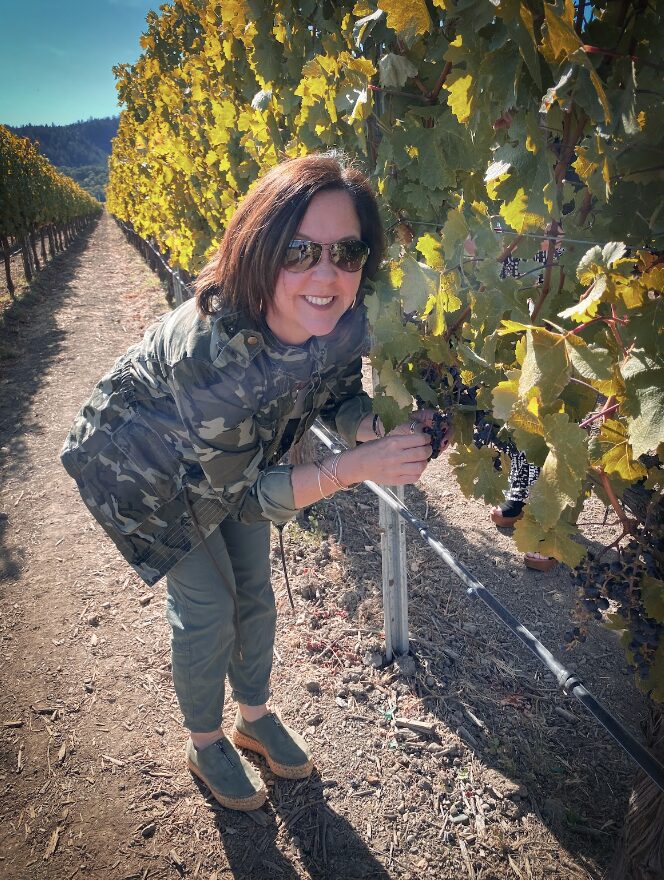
<point x="220" y="745"/>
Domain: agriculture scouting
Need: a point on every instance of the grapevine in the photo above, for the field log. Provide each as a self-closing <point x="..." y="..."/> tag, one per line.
<point x="36" y="200"/>
<point x="507" y="130"/>
<point x="623" y="589"/>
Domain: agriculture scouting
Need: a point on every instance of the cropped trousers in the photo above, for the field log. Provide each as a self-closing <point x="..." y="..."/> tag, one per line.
<point x="200" y="610"/>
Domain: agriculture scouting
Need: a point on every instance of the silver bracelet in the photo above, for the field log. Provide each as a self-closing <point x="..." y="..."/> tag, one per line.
<point x="331" y="473"/>
<point x="320" y="488"/>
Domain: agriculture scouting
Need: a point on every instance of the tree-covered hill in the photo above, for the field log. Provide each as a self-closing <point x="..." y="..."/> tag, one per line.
<point x="75" y="145"/>
<point x="80" y="150"/>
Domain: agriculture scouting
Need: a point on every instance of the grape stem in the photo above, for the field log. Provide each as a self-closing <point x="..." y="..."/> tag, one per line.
<point x="628" y="524"/>
<point x="616" y="333"/>
<point x="551" y="233"/>
<point x="433" y="94"/>
<point x="609" y="407"/>
<point x="607" y="321"/>
<point x="581" y="382"/>
<point x="411" y="95"/>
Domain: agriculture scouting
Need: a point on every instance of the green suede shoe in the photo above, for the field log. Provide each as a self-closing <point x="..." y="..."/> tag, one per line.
<point x="285" y="751"/>
<point x="231" y="779"/>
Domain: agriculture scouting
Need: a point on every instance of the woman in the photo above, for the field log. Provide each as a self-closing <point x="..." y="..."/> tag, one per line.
<point x="176" y="451"/>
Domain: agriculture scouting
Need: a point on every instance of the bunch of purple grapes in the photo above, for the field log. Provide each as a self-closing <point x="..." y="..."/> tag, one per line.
<point x="439" y="431"/>
<point x="617" y="582"/>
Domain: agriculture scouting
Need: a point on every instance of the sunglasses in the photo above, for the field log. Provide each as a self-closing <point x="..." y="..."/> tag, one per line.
<point x="349" y="256"/>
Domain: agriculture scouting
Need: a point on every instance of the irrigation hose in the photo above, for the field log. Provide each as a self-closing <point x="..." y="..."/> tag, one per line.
<point x="567" y="680"/>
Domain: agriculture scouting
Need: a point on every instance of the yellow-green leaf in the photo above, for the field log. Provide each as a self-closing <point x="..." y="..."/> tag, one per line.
<point x="460" y="99"/>
<point x="407" y="19"/>
<point x="545" y="369"/>
<point x="563" y="472"/>
<point x="531" y="537"/>
<point x="476" y="473"/>
<point x="612" y="451"/>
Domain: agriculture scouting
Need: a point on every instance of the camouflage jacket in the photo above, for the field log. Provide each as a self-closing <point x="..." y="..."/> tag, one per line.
<point x="188" y="426"/>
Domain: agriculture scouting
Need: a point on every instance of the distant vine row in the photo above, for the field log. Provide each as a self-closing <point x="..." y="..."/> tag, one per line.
<point x="37" y="204"/>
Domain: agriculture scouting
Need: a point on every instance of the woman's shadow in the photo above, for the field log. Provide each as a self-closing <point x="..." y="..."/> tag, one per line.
<point x="296" y="825"/>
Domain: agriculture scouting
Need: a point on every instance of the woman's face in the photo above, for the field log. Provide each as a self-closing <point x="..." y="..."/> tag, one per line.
<point x="310" y="303"/>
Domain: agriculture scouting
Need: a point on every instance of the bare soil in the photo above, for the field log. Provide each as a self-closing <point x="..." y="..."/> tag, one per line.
<point x="503" y="777"/>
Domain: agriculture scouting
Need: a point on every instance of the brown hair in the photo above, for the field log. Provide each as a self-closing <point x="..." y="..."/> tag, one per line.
<point x="244" y="271"/>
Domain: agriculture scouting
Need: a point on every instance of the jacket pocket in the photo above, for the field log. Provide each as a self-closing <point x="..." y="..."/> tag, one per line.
<point x="130" y="477"/>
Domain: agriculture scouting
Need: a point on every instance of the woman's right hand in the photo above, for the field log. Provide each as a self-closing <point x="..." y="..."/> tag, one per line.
<point x="395" y="460"/>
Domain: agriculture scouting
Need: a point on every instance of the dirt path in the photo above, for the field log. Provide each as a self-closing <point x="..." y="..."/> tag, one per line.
<point x="504" y="778"/>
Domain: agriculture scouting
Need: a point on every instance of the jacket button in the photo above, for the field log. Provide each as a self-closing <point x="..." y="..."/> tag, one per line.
<point x="252" y="340"/>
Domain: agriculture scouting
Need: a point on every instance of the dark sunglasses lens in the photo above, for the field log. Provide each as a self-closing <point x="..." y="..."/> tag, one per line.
<point x="301" y="255"/>
<point x="349" y="255"/>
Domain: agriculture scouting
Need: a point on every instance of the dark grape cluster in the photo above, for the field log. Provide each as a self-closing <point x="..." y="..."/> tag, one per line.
<point x="451" y="392"/>
<point x="615" y="584"/>
<point x="439" y="431"/>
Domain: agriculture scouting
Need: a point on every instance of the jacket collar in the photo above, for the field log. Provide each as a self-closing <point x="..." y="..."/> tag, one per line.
<point x="236" y="338"/>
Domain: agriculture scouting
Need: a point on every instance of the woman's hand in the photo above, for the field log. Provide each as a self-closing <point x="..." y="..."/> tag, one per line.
<point x="395" y="460"/>
<point x="424" y="418"/>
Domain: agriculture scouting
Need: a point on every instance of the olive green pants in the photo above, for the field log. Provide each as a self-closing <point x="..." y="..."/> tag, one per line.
<point x="200" y="612"/>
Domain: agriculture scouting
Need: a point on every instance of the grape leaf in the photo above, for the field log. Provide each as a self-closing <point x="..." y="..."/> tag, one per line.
<point x="395" y="70"/>
<point x="431" y="249"/>
<point x="505" y="396"/>
<point x="652" y="596"/>
<point x="392" y="385"/>
<point x="563" y="472"/>
<point x="643" y="373"/>
<point x="407" y="19"/>
<point x="421" y="389"/>
<point x="528" y="432"/>
<point x="545" y="367"/>
<point x="460" y="98"/>
<point x="476" y="474"/>
<point x="531" y="537"/>
<point x="645" y="405"/>
<point x="418" y="284"/>
<point x="611" y="450"/>
<point x="591" y="362"/>
<point x="389" y="411"/>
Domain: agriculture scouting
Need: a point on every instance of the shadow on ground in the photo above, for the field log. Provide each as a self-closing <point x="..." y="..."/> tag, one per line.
<point x="30" y="341"/>
<point x="477" y="679"/>
<point x="323" y="842"/>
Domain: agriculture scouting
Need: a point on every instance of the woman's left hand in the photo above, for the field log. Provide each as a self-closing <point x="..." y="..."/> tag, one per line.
<point x="417" y="421"/>
<point x="421" y="419"/>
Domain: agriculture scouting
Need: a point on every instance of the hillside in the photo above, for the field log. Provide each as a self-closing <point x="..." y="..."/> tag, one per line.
<point x="80" y="150"/>
<point x="75" y="145"/>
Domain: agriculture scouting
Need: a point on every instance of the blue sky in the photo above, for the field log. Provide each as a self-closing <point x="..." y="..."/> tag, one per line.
<point x="56" y="57"/>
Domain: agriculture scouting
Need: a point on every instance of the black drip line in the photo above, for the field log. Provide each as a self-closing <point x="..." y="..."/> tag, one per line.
<point x="567" y="681"/>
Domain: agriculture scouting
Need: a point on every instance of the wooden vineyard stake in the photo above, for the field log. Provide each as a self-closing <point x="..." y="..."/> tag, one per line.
<point x="395" y="579"/>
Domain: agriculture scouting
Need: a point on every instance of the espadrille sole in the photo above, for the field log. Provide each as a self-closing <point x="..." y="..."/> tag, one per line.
<point x="298" y="771"/>
<point x="231" y="803"/>
<point x="504" y="522"/>
<point x="536" y="564"/>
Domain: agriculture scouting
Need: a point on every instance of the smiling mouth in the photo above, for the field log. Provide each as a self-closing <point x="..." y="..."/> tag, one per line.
<point x="319" y="300"/>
